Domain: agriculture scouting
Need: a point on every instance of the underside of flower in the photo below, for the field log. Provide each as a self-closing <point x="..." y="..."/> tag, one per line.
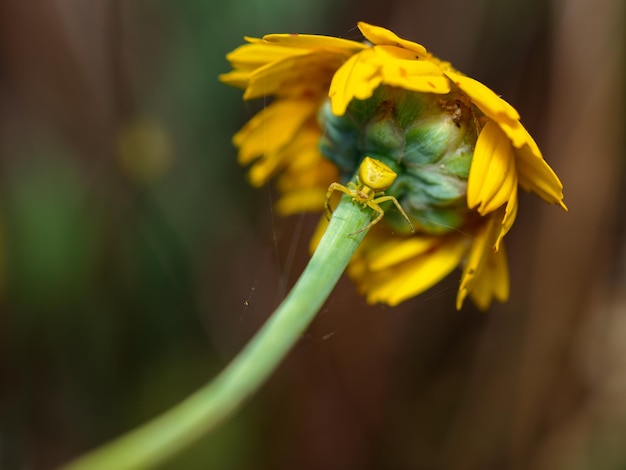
<point x="458" y="149"/>
<point x="427" y="139"/>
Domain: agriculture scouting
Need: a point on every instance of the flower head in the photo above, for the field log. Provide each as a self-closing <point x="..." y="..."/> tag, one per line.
<point x="460" y="152"/>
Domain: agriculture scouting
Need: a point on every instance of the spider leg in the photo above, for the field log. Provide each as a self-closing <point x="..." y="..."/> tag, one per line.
<point x="331" y="189"/>
<point x="374" y="206"/>
<point x="397" y="204"/>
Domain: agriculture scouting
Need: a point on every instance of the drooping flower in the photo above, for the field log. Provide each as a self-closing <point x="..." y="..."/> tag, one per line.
<point x="460" y="152"/>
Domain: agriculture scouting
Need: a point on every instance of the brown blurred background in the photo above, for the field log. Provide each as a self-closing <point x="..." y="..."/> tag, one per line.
<point x="135" y="260"/>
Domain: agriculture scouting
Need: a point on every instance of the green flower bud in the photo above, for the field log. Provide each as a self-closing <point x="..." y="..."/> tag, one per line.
<point x="427" y="139"/>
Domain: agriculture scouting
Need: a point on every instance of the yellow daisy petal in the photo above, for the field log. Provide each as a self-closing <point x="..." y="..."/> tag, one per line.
<point x="481" y="246"/>
<point x="357" y="78"/>
<point x="536" y="175"/>
<point x="378" y="35"/>
<point x="386" y="53"/>
<point x="396" y="251"/>
<point x="306" y="200"/>
<point x="252" y="56"/>
<point x="262" y="170"/>
<point x="272" y="128"/>
<point x="510" y="214"/>
<point x="300" y="154"/>
<point x="492" y="175"/>
<point x="492" y="282"/>
<point x="297" y="71"/>
<point x="289" y="74"/>
<point x="520" y="137"/>
<point x="364" y="72"/>
<point x="314" y="41"/>
<point x="483" y="97"/>
<point x="410" y="74"/>
<point x="319" y="174"/>
<point x="301" y="162"/>
<point x="236" y="78"/>
<point x="413" y="277"/>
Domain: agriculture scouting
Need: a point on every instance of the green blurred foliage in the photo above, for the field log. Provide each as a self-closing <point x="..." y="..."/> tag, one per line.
<point x="115" y="250"/>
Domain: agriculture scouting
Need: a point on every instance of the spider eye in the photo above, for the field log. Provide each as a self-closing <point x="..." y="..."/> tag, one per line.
<point x="375" y="174"/>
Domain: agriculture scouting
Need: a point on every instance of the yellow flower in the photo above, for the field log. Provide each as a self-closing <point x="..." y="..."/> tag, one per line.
<point x="321" y="83"/>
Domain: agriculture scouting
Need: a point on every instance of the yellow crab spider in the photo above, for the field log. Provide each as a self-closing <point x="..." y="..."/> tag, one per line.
<point x="371" y="181"/>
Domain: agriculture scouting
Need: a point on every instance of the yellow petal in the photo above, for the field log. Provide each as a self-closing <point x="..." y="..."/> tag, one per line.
<point x="520" y="137"/>
<point x="492" y="282"/>
<point x="272" y="128"/>
<point x="252" y="56"/>
<point x="300" y="151"/>
<point x="536" y="175"/>
<point x="313" y="41"/>
<point x="299" y="163"/>
<point x="306" y="200"/>
<point x="481" y="246"/>
<point x="362" y="73"/>
<point x="397" y="250"/>
<point x="483" y="97"/>
<point x="399" y="283"/>
<point x="291" y="73"/>
<point x="236" y="78"/>
<point x="319" y="174"/>
<point x="263" y="169"/>
<point x="408" y="73"/>
<point x="378" y="35"/>
<point x="492" y="175"/>
<point x="392" y="53"/>
<point x="510" y="214"/>
<point x="357" y="78"/>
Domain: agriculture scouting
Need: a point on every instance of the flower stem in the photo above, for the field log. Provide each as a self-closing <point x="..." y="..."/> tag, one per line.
<point x="176" y="429"/>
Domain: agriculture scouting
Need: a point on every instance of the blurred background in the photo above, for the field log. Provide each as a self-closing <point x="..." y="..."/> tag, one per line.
<point x="135" y="261"/>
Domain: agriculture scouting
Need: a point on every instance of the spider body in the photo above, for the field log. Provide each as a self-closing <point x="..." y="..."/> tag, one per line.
<point x="373" y="178"/>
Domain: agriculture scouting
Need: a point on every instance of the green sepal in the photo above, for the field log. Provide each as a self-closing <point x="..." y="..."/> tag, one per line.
<point x="427" y="139"/>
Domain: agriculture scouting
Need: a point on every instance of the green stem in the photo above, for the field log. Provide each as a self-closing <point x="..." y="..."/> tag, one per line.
<point x="168" y="434"/>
